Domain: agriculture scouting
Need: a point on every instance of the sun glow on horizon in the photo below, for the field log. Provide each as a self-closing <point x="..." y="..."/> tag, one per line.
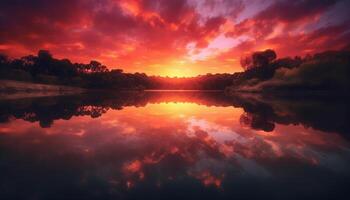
<point x="172" y="38"/>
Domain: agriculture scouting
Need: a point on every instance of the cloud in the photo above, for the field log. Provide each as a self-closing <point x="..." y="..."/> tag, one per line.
<point x="291" y="11"/>
<point x="151" y="35"/>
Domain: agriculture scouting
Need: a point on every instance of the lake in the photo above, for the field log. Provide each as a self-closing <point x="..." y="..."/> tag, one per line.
<point x="174" y="145"/>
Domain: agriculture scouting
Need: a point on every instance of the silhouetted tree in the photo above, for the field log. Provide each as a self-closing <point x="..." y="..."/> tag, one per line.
<point x="97" y="67"/>
<point x="3" y="59"/>
<point x="258" y="59"/>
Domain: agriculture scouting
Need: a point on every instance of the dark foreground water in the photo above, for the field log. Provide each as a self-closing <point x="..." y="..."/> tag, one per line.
<point x="174" y="145"/>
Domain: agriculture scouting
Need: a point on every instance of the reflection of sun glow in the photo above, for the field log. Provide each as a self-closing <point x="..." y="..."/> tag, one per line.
<point x="203" y="140"/>
<point x="177" y="108"/>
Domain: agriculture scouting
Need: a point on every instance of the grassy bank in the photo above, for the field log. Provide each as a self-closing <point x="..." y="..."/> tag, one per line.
<point x="10" y="89"/>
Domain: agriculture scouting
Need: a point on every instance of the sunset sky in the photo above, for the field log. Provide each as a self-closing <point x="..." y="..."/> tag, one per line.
<point x="172" y="37"/>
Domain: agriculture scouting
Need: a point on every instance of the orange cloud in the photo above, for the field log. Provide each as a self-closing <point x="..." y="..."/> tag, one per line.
<point x="173" y="38"/>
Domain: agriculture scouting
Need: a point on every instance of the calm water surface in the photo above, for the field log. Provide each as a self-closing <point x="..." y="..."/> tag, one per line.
<point x="174" y="145"/>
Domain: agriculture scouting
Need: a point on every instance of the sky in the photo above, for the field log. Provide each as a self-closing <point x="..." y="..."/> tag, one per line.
<point x="172" y="37"/>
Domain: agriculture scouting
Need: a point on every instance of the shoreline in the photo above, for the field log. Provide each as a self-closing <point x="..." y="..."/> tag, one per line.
<point x="10" y="89"/>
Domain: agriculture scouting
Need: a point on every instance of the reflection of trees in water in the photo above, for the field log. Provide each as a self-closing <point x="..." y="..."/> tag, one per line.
<point x="260" y="113"/>
<point x="48" y="109"/>
<point x="256" y="122"/>
<point x="154" y="158"/>
<point x="93" y="111"/>
<point x="325" y="114"/>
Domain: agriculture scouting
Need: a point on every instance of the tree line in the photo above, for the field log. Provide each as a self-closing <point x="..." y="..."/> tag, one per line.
<point x="325" y="71"/>
<point x="44" y="68"/>
<point x="263" y="70"/>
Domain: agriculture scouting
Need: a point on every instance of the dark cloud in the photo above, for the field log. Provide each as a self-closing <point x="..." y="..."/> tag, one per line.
<point x="290" y="11"/>
<point x="113" y="21"/>
<point x="265" y="22"/>
<point x="37" y="22"/>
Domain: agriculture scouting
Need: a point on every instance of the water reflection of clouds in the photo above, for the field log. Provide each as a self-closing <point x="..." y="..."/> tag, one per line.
<point x="219" y="133"/>
<point x="159" y="143"/>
